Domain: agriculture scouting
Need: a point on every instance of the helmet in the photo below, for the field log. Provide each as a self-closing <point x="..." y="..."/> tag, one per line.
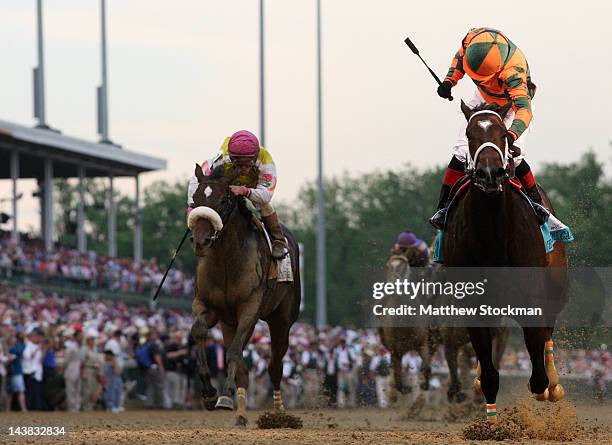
<point x="407" y="239"/>
<point x="243" y="143"/>
<point x="486" y="54"/>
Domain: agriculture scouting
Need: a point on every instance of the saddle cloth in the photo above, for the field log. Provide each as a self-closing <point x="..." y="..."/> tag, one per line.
<point x="552" y="230"/>
<point x="280" y="270"/>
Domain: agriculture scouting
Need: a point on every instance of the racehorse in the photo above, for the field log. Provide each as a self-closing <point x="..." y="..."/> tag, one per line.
<point x="492" y="225"/>
<point x="233" y="289"/>
<point x="426" y="339"/>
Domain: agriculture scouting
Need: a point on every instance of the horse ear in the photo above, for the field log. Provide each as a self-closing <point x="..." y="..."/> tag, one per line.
<point x="504" y="110"/>
<point x="467" y="111"/>
<point x="199" y="173"/>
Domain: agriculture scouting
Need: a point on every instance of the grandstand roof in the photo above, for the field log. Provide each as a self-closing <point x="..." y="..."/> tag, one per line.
<point x="67" y="153"/>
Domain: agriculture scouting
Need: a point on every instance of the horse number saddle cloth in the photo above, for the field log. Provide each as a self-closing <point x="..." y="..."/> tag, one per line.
<point x="552" y="230"/>
<point x="280" y="270"/>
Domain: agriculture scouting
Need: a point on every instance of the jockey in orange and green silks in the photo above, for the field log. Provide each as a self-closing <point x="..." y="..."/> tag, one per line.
<point x="501" y="74"/>
<point x="256" y="180"/>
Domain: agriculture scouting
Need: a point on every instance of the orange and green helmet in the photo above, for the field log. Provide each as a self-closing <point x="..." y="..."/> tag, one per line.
<point x="486" y="54"/>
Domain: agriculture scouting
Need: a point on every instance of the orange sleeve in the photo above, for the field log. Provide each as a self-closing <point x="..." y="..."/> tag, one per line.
<point x="456" y="72"/>
<point x="515" y="81"/>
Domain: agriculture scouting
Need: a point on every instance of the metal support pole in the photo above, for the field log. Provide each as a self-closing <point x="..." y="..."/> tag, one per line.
<point x="321" y="247"/>
<point x="81" y="238"/>
<point x="262" y="83"/>
<point x="14" y="177"/>
<point x="137" y="224"/>
<point x="112" y="220"/>
<point x="103" y="89"/>
<point x="39" y="71"/>
<point x="48" y="206"/>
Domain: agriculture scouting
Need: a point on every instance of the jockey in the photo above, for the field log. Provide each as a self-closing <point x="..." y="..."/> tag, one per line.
<point x="256" y="181"/>
<point x="414" y="249"/>
<point x="501" y="74"/>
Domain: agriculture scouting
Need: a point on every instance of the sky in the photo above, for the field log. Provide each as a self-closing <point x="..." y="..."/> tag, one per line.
<point x="183" y="75"/>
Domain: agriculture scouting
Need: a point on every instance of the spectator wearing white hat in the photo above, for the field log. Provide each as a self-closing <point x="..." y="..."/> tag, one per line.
<point x="91" y="389"/>
<point x="73" y="361"/>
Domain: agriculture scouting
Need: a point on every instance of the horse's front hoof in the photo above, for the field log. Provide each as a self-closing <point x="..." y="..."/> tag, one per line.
<point x="477" y="386"/>
<point x="556" y="393"/>
<point x="456" y="397"/>
<point x="209" y="400"/>
<point x="541" y="397"/>
<point x="241" y="421"/>
<point x="225" y="402"/>
<point x="424" y="386"/>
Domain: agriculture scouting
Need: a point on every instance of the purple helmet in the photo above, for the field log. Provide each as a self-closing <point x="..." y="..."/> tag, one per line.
<point x="407" y="239"/>
<point x="243" y="143"/>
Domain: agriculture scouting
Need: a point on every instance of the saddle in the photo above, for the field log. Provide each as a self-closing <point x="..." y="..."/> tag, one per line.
<point x="552" y="230"/>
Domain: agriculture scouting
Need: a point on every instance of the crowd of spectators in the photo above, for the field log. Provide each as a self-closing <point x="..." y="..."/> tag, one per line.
<point x="60" y="352"/>
<point x="29" y="258"/>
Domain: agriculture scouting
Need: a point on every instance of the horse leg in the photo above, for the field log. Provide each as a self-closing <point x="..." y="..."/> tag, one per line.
<point x="454" y="392"/>
<point x="396" y="363"/>
<point x="538" y="382"/>
<point x="555" y="390"/>
<point x="234" y="357"/>
<point x="489" y="377"/>
<point x="427" y="350"/>
<point x="199" y="332"/>
<point x="242" y="380"/>
<point x="279" y="336"/>
<point x="500" y="345"/>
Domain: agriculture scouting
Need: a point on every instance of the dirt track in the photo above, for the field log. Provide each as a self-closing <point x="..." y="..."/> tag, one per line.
<point x="371" y="426"/>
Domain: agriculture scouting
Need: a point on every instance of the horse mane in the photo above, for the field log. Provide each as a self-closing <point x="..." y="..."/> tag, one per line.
<point x="485" y="106"/>
<point x="218" y="172"/>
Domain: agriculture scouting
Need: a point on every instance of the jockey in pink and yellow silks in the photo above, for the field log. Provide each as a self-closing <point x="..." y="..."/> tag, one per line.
<point x="256" y="180"/>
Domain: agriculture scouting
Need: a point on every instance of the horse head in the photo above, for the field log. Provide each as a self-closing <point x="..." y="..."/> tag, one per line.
<point x="398" y="266"/>
<point x="488" y="158"/>
<point x="213" y="203"/>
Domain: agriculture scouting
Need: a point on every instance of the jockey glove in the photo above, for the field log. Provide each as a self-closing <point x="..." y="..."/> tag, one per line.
<point x="514" y="151"/>
<point x="444" y="89"/>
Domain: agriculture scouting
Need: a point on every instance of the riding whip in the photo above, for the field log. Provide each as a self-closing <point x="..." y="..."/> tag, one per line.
<point x="415" y="50"/>
<point x="171" y="263"/>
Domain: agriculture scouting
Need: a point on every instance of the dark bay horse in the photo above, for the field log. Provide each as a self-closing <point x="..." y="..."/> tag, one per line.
<point x="425" y="340"/>
<point x="491" y="225"/>
<point x="233" y="289"/>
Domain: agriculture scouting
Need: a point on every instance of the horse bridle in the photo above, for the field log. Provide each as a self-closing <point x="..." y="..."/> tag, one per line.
<point x="224" y="213"/>
<point x="506" y="158"/>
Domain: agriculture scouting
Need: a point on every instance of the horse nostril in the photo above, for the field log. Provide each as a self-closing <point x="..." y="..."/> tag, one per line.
<point x="500" y="172"/>
<point x="480" y="174"/>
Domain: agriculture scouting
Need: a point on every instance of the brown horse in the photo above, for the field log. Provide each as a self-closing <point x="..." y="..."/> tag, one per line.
<point x="491" y="225"/>
<point x="425" y="340"/>
<point x="232" y="288"/>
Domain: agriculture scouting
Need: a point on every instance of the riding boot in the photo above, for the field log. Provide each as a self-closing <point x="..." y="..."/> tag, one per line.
<point x="536" y="200"/>
<point x="438" y="219"/>
<point x="279" y="245"/>
<point x="525" y="175"/>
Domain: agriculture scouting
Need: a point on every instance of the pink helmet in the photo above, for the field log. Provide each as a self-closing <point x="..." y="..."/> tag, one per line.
<point x="243" y="143"/>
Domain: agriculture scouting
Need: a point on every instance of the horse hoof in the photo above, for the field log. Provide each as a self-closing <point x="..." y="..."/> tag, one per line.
<point x="209" y="400"/>
<point x="460" y="397"/>
<point x="477" y="386"/>
<point x="492" y="419"/>
<point x="556" y="393"/>
<point x="424" y="386"/>
<point x="241" y="421"/>
<point x="541" y="397"/>
<point x="225" y="402"/>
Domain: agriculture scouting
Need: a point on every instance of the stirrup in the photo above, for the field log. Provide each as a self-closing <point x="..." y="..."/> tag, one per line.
<point x="437" y="220"/>
<point x="541" y="212"/>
